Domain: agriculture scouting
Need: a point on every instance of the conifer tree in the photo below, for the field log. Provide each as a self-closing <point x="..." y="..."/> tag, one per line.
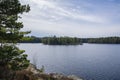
<point x="10" y="33"/>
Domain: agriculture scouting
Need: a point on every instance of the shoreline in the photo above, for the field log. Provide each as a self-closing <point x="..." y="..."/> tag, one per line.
<point x="53" y="76"/>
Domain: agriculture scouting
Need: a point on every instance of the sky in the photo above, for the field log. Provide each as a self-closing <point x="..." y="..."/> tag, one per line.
<point x="74" y="18"/>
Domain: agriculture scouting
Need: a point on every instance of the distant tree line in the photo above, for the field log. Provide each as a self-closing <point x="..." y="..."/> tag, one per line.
<point x="70" y="40"/>
<point x="60" y="40"/>
<point x="105" y="40"/>
<point x="30" y="39"/>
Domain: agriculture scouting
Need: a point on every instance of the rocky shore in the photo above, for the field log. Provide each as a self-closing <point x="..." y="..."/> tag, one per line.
<point x="51" y="76"/>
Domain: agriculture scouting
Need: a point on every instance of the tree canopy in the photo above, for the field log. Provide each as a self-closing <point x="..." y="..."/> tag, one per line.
<point x="70" y="40"/>
<point x="11" y="57"/>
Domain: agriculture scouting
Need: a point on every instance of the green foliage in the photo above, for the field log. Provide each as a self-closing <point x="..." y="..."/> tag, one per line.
<point x="31" y="39"/>
<point x="73" y="41"/>
<point x="107" y="40"/>
<point x="13" y="57"/>
<point x="61" y="41"/>
<point x="9" y="26"/>
<point x="10" y="34"/>
<point x="70" y="41"/>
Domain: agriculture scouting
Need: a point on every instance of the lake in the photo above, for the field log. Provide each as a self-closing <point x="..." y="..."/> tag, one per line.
<point x="89" y="61"/>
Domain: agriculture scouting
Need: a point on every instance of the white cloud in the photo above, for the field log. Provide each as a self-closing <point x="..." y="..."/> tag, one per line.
<point x="69" y="29"/>
<point x="52" y="10"/>
<point x="51" y="17"/>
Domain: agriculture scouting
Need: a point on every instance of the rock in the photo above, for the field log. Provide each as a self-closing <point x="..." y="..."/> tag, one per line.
<point x="61" y="76"/>
<point x="56" y="75"/>
<point x="32" y="68"/>
<point x="74" y="77"/>
<point x="52" y="76"/>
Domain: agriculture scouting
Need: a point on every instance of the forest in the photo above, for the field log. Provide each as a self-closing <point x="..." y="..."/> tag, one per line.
<point x="70" y="40"/>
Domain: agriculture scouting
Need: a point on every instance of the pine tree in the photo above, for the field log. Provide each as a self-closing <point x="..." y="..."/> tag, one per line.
<point x="11" y="56"/>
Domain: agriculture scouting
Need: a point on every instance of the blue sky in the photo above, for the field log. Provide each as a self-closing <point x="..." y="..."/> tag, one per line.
<point x="76" y="18"/>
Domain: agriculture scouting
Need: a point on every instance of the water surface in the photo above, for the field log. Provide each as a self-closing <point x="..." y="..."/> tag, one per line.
<point x="91" y="61"/>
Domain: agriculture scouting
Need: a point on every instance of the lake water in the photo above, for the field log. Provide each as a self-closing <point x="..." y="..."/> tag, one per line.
<point x="89" y="61"/>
